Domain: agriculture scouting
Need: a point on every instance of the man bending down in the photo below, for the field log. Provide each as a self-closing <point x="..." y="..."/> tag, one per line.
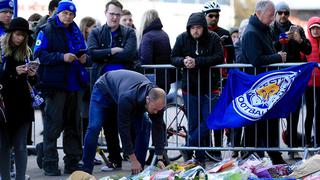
<point x="130" y="95"/>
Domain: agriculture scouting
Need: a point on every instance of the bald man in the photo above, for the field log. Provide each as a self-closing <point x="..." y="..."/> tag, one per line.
<point x="128" y="95"/>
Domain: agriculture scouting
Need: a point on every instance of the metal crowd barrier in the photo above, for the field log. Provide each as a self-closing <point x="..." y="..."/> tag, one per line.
<point x="152" y="72"/>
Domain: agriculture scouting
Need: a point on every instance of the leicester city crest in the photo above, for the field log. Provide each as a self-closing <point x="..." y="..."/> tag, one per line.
<point x="263" y="95"/>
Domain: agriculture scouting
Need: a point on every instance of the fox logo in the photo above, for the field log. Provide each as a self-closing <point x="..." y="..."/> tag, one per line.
<point x="263" y="95"/>
<point x="268" y="91"/>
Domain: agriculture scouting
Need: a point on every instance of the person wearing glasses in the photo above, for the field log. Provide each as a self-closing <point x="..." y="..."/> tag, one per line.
<point x="258" y="50"/>
<point x="212" y="12"/>
<point x="112" y="47"/>
<point x="297" y="44"/>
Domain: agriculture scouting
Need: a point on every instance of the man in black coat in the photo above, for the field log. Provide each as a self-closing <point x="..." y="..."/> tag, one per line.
<point x="258" y="50"/>
<point x="196" y="50"/>
<point x="129" y="95"/>
<point x="296" y="43"/>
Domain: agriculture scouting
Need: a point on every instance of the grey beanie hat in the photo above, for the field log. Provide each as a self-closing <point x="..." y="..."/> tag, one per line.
<point x="282" y="6"/>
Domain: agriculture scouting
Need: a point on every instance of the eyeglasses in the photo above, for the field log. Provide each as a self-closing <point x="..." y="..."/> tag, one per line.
<point x="283" y="12"/>
<point x="213" y="15"/>
<point x="114" y="14"/>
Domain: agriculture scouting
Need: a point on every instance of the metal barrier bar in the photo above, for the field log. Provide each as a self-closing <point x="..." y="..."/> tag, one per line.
<point x="167" y="67"/>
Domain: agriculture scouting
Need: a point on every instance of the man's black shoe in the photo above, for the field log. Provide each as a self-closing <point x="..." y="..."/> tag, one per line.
<point x="97" y="161"/>
<point x="32" y="152"/>
<point x="56" y="172"/>
<point x="39" y="150"/>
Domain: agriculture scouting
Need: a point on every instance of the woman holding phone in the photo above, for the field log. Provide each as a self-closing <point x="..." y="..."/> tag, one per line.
<point x="15" y="80"/>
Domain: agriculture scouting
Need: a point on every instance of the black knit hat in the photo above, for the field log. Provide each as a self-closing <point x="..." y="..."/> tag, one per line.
<point x="19" y="24"/>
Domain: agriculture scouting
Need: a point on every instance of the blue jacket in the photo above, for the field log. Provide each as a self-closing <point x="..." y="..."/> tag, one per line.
<point x="100" y="44"/>
<point x="53" y="41"/>
<point x="127" y="90"/>
<point x="257" y="44"/>
<point x="2" y="29"/>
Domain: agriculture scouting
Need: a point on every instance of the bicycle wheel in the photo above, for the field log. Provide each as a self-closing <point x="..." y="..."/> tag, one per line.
<point x="177" y="128"/>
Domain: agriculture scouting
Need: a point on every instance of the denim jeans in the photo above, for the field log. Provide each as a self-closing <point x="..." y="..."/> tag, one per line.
<point x="98" y="113"/>
<point x="194" y="118"/>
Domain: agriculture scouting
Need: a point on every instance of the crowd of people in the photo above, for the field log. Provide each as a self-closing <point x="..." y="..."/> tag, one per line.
<point x="120" y="99"/>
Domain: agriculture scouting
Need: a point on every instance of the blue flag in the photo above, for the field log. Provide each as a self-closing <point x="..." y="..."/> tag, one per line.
<point x="249" y="98"/>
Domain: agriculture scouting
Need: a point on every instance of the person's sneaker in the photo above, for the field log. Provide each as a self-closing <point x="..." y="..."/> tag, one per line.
<point x="27" y="177"/>
<point x="97" y="161"/>
<point x="56" y="172"/>
<point x="111" y="166"/>
<point x="39" y="150"/>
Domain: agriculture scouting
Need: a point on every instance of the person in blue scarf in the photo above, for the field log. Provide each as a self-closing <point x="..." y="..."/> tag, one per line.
<point x="58" y="48"/>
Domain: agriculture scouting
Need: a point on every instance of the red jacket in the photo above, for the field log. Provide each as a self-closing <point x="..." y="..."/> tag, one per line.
<point x="315" y="54"/>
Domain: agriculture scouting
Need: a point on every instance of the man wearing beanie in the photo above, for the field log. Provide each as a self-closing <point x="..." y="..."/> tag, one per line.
<point x="297" y="43"/>
<point x="56" y="47"/>
<point x="6" y="12"/>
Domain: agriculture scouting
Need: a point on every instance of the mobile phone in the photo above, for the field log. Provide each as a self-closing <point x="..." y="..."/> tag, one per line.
<point x="33" y="65"/>
<point x="224" y="37"/>
<point x="293" y="28"/>
<point x="81" y="52"/>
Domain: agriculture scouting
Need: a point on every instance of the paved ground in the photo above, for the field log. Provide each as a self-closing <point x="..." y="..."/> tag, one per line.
<point x="37" y="174"/>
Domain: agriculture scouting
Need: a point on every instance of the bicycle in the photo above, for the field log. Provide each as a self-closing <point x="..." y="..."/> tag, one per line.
<point x="177" y="131"/>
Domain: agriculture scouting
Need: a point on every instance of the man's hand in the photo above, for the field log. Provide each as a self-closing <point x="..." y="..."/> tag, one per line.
<point x="283" y="56"/>
<point x="116" y="50"/>
<point x="135" y="165"/>
<point x="297" y="37"/>
<point x="83" y="59"/>
<point x="189" y="62"/>
<point x="161" y="164"/>
<point x="69" y="57"/>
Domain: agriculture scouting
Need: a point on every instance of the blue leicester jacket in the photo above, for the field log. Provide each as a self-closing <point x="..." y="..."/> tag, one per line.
<point x="2" y="29"/>
<point x="53" y="41"/>
<point x="128" y="90"/>
<point x="100" y="44"/>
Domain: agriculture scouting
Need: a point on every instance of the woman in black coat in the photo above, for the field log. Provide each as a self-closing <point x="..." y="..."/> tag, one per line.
<point x="16" y="79"/>
<point x="155" y="48"/>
